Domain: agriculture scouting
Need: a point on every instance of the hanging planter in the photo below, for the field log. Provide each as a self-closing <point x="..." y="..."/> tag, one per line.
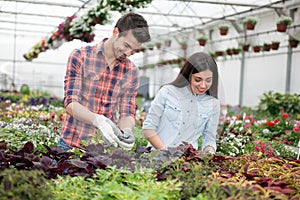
<point x="236" y="51"/>
<point x="223" y="29"/>
<point x="219" y="53"/>
<point x="245" y="47"/>
<point x="183" y="45"/>
<point x="202" y="40"/>
<point x="158" y="45"/>
<point x="256" y="48"/>
<point x="150" y="47"/>
<point x="168" y="42"/>
<point x="267" y="47"/>
<point x="275" y="45"/>
<point x="282" y="23"/>
<point x="229" y="51"/>
<point x="250" y="23"/>
<point x="293" y="42"/>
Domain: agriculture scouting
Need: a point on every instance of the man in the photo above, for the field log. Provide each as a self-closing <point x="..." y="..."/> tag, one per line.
<point x="100" y="82"/>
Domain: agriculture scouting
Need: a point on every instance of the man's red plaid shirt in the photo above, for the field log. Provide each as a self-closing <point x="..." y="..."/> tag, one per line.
<point x="90" y="82"/>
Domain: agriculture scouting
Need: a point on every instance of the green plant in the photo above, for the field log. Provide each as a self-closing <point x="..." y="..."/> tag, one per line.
<point x="249" y="20"/>
<point x="272" y="102"/>
<point x="23" y="185"/>
<point x="202" y="38"/>
<point x="224" y="26"/>
<point x="284" y="20"/>
<point x="25" y="89"/>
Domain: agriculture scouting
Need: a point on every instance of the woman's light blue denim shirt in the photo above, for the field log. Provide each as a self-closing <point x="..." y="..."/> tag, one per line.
<point x="177" y="115"/>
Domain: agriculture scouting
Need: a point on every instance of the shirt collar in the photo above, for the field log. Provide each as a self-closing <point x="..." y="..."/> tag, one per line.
<point x="100" y="46"/>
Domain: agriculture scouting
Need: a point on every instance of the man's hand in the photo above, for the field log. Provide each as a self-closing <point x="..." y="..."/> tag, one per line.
<point x="125" y="139"/>
<point x="113" y="135"/>
<point x="106" y="130"/>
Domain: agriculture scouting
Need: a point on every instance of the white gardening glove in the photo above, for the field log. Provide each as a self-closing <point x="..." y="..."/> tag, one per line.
<point x="106" y="130"/>
<point x="125" y="138"/>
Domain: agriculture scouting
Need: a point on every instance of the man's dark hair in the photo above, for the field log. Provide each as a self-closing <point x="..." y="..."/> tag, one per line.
<point x="135" y="23"/>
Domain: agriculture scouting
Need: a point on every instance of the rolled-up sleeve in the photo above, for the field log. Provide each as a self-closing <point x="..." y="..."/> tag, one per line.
<point x="73" y="78"/>
<point x="210" y="131"/>
<point x="156" y="110"/>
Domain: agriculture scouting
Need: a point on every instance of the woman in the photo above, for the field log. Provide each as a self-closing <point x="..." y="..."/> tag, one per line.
<point x="186" y="108"/>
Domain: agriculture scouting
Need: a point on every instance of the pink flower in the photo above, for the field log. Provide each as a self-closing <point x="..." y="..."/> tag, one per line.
<point x="257" y="148"/>
<point x="247" y="126"/>
<point x="296" y="129"/>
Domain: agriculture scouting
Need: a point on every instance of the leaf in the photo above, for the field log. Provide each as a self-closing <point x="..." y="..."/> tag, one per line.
<point x="28" y="147"/>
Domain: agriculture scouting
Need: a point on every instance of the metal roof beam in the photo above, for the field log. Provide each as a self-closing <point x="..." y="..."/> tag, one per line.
<point x="225" y="3"/>
<point x="47" y="3"/>
<point x="32" y="14"/>
<point x="176" y="15"/>
<point x="29" y="23"/>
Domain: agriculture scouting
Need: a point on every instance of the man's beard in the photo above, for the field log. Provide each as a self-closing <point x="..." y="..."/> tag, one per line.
<point x="119" y="58"/>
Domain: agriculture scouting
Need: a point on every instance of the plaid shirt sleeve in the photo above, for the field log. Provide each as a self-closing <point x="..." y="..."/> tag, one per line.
<point x="73" y="78"/>
<point x="128" y="98"/>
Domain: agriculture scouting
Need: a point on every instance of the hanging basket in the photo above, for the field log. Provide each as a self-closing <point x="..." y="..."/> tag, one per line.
<point x="219" y="53"/>
<point x="168" y="43"/>
<point x="293" y="43"/>
<point x="184" y="46"/>
<point x="281" y="27"/>
<point x="245" y="47"/>
<point x="267" y="47"/>
<point x="256" y="49"/>
<point x="275" y="45"/>
<point x="223" y="31"/>
<point x="250" y="26"/>
<point x="202" y="42"/>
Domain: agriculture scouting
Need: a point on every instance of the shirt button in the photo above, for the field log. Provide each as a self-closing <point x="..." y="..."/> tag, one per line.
<point x="191" y="100"/>
<point x="183" y="122"/>
<point x="188" y="111"/>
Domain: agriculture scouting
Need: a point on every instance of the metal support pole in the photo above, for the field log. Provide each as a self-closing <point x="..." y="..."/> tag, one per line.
<point x="241" y="95"/>
<point x="13" y="84"/>
<point x="289" y="61"/>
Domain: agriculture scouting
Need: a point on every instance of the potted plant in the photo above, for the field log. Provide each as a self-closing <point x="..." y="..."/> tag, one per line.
<point x="245" y="46"/>
<point x="223" y="28"/>
<point x="150" y="46"/>
<point x="202" y="40"/>
<point x="168" y="42"/>
<point x="158" y="45"/>
<point x="183" y="45"/>
<point x="267" y="47"/>
<point x="256" y="48"/>
<point x="283" y="22"/>
<point x="293" y="42"/>
<point x="236" y="51"/>
<point x="229" y="51"/>
<point x="275" y="45"/>
<point x="219" y="53"/>
<point x="250" y="23"/>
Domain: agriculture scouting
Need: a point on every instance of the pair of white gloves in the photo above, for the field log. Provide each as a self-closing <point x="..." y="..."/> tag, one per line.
<point x="111" y="134"/>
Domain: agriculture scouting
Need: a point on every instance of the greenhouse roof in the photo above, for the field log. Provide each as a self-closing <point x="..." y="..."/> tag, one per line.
<point x="165" y="17"/>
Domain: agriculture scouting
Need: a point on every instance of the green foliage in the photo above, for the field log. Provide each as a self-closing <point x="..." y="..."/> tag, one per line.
<point x="250" y="20"/>
<point x="116" y="184"/>
<point x="23" y="185"/>
<point x="25" y="89"/>
<point x="284" y="20"/>
<point x="272" y="103"/>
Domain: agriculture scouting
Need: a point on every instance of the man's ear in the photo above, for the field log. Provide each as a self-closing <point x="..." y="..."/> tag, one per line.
<point x="115" y="31"/>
